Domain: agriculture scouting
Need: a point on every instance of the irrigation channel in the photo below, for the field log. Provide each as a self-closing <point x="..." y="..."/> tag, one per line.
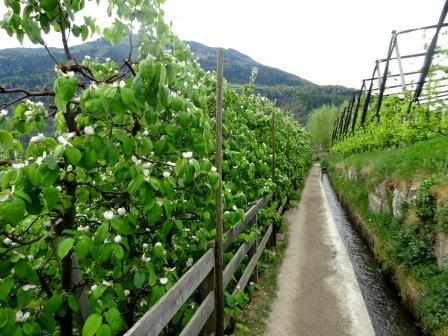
<point x="388" y="315"/>
<point x="329" y="282"/>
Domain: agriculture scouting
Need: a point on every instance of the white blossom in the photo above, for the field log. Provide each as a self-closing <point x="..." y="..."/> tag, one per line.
<point x="146" y="172"/>
<point x="27" y="287"/>
<point x="147" y="165"/>
<point x="19" y="165"/>
<point x="30" y="257"/>
<point x="3" y="113"/>
<point x="93" y="288"/>
<point x="39" y="104"/>
<point x="63" y="141"/>
<point x="108" y="215"/>
<point x="59" y="188"/>
<point x="189" y="262"/>
<point x="145" y="132"/>
<point x="163" y="281"/>
<point x="166" y="174"/>
<point x="89" y="130"/>
<point x="214" y="169"/>
<point x="145" y="245"/>
<point x="226" y="213"/>
<point x="69" y="168"/>
<point x="107" y="283"/>
<point x="29" y="114"/>
<point x="127" y="292"/>
<point x="87" y="57"/>
<point x="108" y="59"/>
<point x="121" y="211"/>
<point x="136" y="160"/>
<point x="234" y="208"/>
<point x="22" y="317"/>
<point x="37" y="138"/>
<point x="145" y="258"/>
<point x="190" y="162"/>
<point x="158" y="244"/>
<point x="7" y="241"/>
<point x="143" y="303"/>
<point x="122" y="84"/>
<point x="117" y="239"/>
<point x="187" y="155"/>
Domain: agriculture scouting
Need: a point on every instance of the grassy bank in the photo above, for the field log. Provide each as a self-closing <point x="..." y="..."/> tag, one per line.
<point x="404" y="245"/>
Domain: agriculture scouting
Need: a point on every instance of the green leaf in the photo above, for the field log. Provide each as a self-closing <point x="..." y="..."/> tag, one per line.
<point x="118" y="252"/>
<point x="31" y="329"/>
<point x="101" y="233"/>
<point x="65" y="89"/>
<point x="6" y="142"/>
<point x="82" y="248"/>
<point x="156" y="293"/>
<point x="92" y="324"/>
<point x="5" y="287"/>
<point x="53" y="305"/>
<point x="139" y="279"/>
<point x="72" y="155"/>
<point x="114" y="319"/>
<point x="73" y="302"/>
<point x="64" y="247"/>
<point x="104" y="330"/>
<point x="51" y="196"/>
<point x="128" y="96"/>
<point x="49" y="5"/>
<point x="32" y="30"/>
<point x="14" y="5"/>
<point x="12" y="210"/>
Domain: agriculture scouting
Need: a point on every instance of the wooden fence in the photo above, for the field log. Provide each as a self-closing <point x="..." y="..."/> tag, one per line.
<point x="201" y="275"/>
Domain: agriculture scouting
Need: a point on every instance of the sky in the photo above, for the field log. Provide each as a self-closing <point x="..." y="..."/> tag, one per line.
<point x="324" y="41"/>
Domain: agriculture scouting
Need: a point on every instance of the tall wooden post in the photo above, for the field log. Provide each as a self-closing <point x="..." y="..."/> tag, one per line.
<point x="219" y="287"/>
<point x="274" y="231"/>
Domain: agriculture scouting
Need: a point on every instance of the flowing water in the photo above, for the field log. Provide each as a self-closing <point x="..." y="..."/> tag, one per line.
<point x="388" y="315"/>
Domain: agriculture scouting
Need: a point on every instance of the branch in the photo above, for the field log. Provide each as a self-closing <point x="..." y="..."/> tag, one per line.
<point x="49" y="53"/>
<point x="64" y="36"/>
<point x="104" y="192"/>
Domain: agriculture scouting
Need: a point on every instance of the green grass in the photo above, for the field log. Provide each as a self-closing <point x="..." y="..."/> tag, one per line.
<point x="252" y="320"/>
<point x="425" y="157"/>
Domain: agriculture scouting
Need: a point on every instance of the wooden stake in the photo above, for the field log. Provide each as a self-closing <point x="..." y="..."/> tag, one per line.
<point x="274" y="231"/>
<point x="219" y="288"/>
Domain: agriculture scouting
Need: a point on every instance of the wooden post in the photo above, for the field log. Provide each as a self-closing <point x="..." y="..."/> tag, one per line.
<point x="208" y="286"/>
<point x="252" y="251"/>
<point x="219" y="286"/>
<point x="274" y="231"/>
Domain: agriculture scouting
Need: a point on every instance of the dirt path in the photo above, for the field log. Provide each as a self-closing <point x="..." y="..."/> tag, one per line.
<point x="318" y="293"/>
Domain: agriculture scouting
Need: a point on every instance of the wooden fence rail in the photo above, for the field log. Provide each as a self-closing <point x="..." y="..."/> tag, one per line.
<point x="158" y="317"/>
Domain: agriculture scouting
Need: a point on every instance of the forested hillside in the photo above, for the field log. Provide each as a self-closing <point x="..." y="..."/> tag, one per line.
<point x="28" y="68"/>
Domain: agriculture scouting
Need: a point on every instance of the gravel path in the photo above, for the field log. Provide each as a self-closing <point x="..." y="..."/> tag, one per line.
<point x="318" y="293"/>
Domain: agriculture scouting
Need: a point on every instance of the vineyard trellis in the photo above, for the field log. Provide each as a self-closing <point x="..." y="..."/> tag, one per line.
<point x="354" y="116"/>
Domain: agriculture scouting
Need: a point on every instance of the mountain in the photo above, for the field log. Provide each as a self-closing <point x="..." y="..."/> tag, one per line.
<point x="30" y="67"/>
<point x="238" y="67"/>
